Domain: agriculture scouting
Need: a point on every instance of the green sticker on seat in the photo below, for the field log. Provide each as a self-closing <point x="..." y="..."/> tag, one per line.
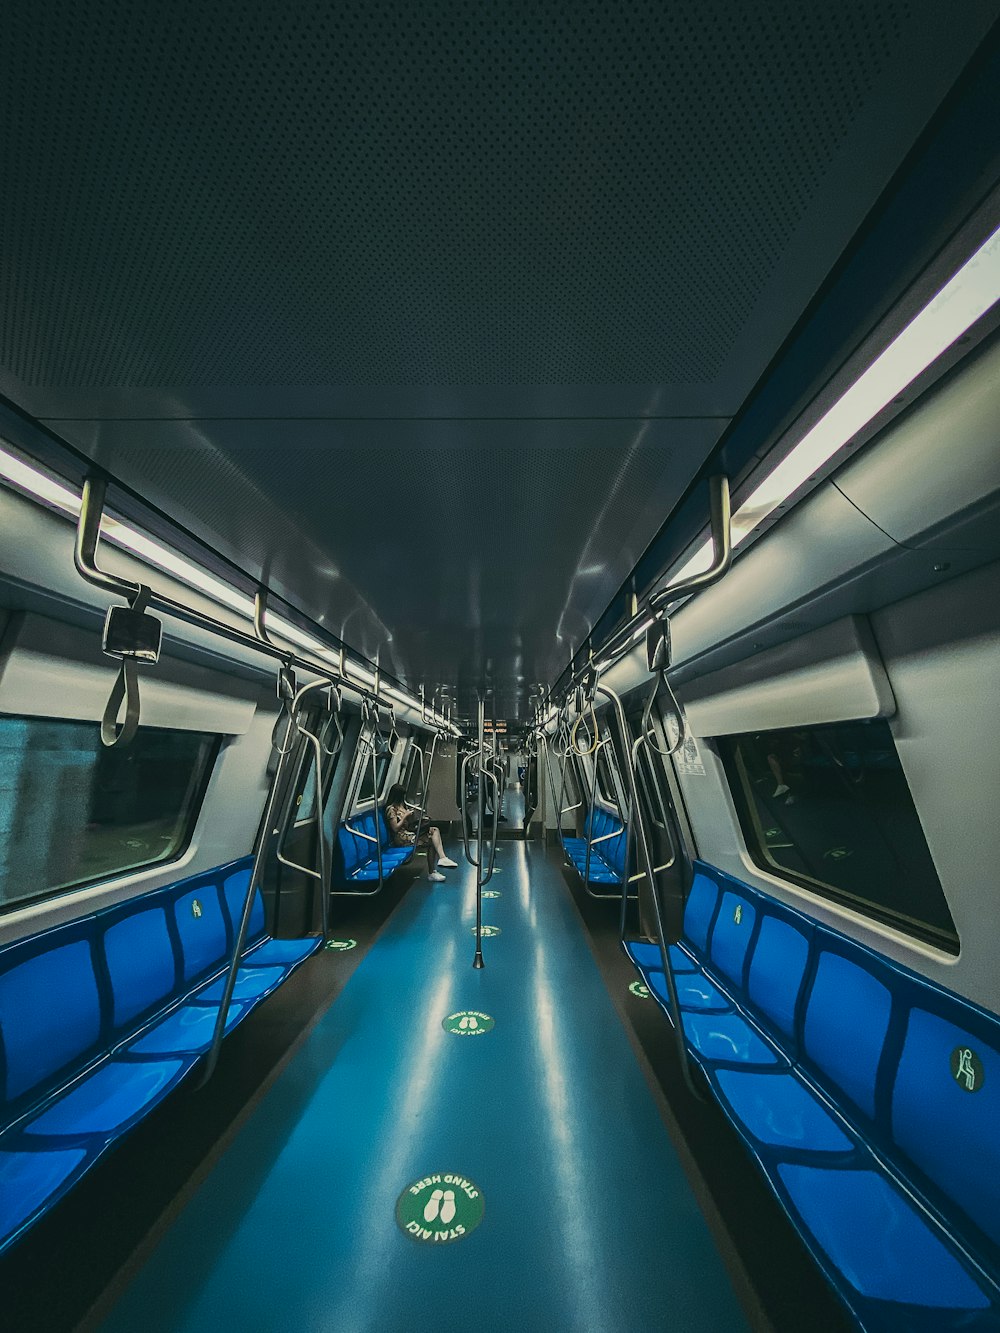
<point x="488" y="931"/>
<point x="467" y="1023"/>
<point x="967" y="1069"/>
<point x="341" y="946"/>
<point x="440" y="1208"/>
<point x="637" y="988"/>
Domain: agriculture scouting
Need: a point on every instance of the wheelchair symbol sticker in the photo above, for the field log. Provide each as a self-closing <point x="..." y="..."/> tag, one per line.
<point x="196" y="908"/>
<point x="967" y="1069"/>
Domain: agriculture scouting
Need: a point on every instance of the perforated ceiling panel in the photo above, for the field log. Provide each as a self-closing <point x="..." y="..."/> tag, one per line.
<point x="316" y="247"/>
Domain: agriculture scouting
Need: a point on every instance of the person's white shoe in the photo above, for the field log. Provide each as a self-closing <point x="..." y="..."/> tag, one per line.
<point x="448" y="863"/>
<point x="781" y="788"/>
<point x="436" y="876"/>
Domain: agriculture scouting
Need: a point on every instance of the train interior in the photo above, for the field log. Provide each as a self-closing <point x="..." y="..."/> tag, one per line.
<point x="499" y="642"/>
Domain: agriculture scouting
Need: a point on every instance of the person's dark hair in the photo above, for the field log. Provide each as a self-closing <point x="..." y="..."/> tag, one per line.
<point x="396" y="794"/>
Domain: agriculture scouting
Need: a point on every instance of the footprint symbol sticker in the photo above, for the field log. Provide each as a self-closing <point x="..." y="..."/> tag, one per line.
<point x="433" y="1206"/>
<point x="448" y="1208"/>
<point x="467" y="1023"/>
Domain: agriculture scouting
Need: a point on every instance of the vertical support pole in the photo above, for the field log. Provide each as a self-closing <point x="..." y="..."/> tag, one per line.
<point x="478" y="962"/>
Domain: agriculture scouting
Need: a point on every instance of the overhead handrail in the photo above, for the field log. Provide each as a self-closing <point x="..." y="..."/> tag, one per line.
<point x="654" y="604"/>
<point x="642" y="840"/>
<point x="130" y="634"/>
<point x="92" y="505"/>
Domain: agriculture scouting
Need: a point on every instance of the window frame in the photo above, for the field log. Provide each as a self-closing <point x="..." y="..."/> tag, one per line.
<point x="738" y="783"/>
<point x="198" y="791"/>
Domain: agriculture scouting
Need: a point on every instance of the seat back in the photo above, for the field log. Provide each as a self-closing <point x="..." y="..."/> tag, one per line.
<point x="141" y="959"/>
<point x="50" y="1012"/>
<point x="945" y="1106"/>
<point x="234" y="894"/>
<point x="201" y="927"/>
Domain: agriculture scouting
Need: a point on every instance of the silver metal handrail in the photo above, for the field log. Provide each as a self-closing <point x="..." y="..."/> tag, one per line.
<point x="263" y="842"/>
<point x="642" y="838"/>
<point x="655" y="602"/>
<point x="322" y="873"/>
<point x="483" y="775"/>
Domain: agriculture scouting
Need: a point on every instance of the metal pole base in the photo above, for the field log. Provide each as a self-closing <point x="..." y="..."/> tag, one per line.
<point x="478" y="960"/>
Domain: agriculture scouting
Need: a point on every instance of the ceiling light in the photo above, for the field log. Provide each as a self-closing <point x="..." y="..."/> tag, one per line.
<point x="964" y="299"/>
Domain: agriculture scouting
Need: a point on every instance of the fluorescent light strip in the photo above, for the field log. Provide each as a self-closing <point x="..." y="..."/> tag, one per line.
<point x="965" y="298"/>
<point x="45" y="488"/>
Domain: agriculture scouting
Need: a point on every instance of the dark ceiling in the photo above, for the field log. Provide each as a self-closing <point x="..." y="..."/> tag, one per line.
<point x="428" y="313"/>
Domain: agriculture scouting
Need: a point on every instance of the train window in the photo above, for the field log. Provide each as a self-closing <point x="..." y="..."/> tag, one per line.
<point x="607" y="788"/>
<point x="367" y="790"/>
<point x="72" y="811"/>
<point x="411" y="781"/>
<point x="828" y="807"/>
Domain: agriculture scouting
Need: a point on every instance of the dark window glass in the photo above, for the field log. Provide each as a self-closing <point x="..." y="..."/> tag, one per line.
<point x="72" y="811"/>
<point x="412" y="780"/>
<point x="607" y="791"/>
<point x="828" y="807"/>
<point x="367" y="790"/>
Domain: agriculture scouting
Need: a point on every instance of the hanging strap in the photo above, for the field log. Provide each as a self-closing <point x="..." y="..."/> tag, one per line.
<point x="125" y="690"/>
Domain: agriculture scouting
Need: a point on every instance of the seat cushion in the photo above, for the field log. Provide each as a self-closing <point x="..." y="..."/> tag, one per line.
<point x="251" y="983"/>
<point x="694" y="991"/>
<point x="187" y="1031"/>
<point x="281" y="953"/>
<point x="777" y="1110"/>
<point x="108" y="1100"/>
<point x="726" y="1038"/>
<point x="30" y="1179"/>
<point x="877" y="1240"/>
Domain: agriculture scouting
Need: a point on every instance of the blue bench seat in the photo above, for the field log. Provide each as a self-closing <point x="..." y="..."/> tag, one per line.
<point x="356" y="855"/>
<point x="102" y="1017"/>
<point x="604" y="832"/>
<point x="868" y="1096"/>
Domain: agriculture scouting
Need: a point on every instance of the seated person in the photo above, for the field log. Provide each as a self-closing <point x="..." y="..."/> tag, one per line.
<point x="402" y="820"/>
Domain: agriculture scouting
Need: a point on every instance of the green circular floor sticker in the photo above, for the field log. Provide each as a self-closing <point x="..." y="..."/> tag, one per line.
<point x="341" y="946"/>
<point x="491" y="893"/>
<point x="488" y="931"/>
<point x="637" y="988"/>
<point x="467" y="1023"/>
<point x="440" y="1208"/>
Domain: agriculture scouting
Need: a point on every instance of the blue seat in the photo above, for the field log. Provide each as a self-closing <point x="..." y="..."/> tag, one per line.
<point x="868" y="1096"/>
<point x="102" y="1017"/>
<point x="605" y="835"/>
<point x="356" y="856"/>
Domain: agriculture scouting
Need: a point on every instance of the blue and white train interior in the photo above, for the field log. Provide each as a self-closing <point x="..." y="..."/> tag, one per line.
<point x="500" y="667"/>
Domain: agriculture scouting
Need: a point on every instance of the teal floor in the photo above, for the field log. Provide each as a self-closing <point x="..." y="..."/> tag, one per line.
<point x="588" y="1221"/>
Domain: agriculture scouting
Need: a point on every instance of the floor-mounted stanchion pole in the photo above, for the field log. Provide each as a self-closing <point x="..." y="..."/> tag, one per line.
<point x="478" y="962"/>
